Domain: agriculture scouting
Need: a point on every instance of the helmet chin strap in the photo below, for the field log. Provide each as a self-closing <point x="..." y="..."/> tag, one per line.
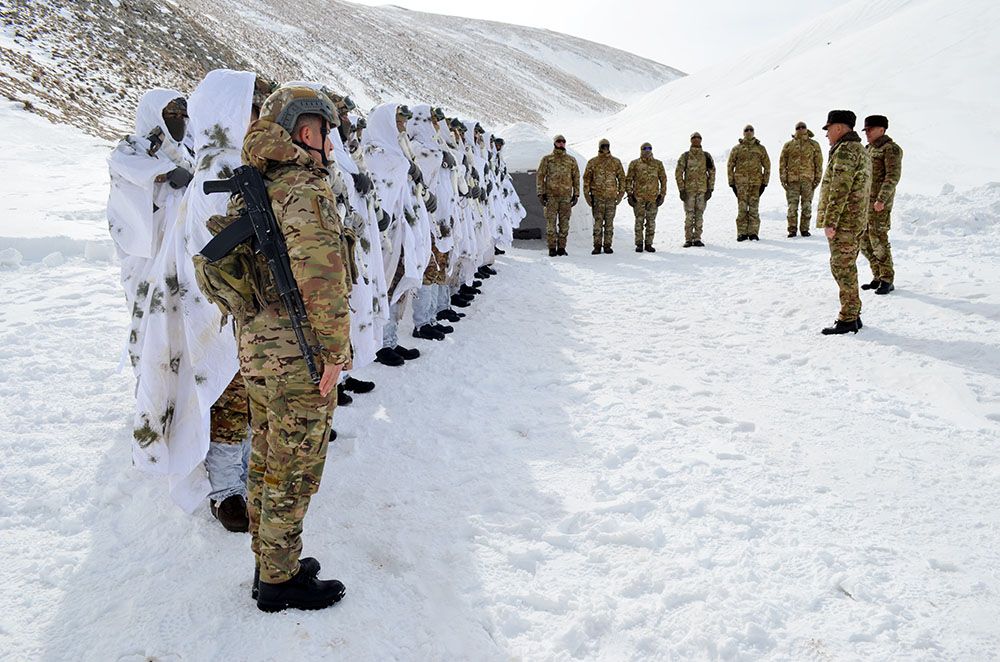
<point x="324" y="131"/>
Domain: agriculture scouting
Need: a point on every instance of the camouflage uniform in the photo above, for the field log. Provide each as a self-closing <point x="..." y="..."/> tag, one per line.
<point x="603" y="189"/>
<point x="887" y="163"/>
<point x="800" y="169"/>
<point x="843" y="205"/>
<point x="230" y="417"/>
<point x="557" y="182"/>
<point x="749" y="169"/>
<point x="695" y="176"/>
<point x="290" y="420"/>
<point x="646" y="181"/>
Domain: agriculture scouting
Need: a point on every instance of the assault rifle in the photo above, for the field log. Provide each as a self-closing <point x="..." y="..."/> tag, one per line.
<point x="258" y="225"/>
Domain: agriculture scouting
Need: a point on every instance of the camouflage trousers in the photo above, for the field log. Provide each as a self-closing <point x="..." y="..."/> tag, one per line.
<point x="230" y="416"/>
<point x="844" y="266"/>
<point x="799" y="194"/>
<point x="290" y="427"/>
<point x="557" y="213"/>
<point x="604" y="221"/>
<point x="437" y="267"/>
<point x="645" y="221"/>
<point x="748" y="209"/>
<point x="694" y="216"/>
<point x="875" y="245"/>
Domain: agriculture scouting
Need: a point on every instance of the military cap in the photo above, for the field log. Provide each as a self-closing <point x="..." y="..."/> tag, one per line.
<point x="456" y="124"/>
<point x="876" y="121"/>
<point x="479" y="128"/>
<point x="646" y="146"/>
<point x="262" y="89"/>
<point x="438" y="114"/>
<point x="748" y="127"/>
<point x="559" y="138"/>
<point x="840" y="117"/>
<point x="695" y="135"/>
<point x="286" y="104"/>
<point x="801" y="125"/>
<point x="604" y="143"/>
<point x="405" y="111"/>
<point x="499" y="142"/>
<point x="176" y="108"/>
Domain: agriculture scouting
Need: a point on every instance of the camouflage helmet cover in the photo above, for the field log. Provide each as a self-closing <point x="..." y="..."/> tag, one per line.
<point x="176" y="108"/>
<point x="262" y="89"/>
<point x="287" y="104"/>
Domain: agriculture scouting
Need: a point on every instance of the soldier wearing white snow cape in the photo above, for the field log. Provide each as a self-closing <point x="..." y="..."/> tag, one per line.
<point x="149" y="172"/>
<point x="406" y="242"/>
<point x="514" y="210"/>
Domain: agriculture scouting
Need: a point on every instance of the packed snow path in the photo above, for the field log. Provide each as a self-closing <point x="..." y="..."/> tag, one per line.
<point x="616" y="457"/>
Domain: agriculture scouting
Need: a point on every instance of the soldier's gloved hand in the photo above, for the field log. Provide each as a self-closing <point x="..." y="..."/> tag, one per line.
<point x="383" y="220"/>
<point x="631" y="200"/>
<point x="475" y="174"/>
<point x="683" y="196"/>
<point x="179" y="177"/>
<point x="573" y="201"/>
<point x="489" y="187"/>
<point x="733" y="186"/>
<point x="762" y="187"/>
<point x="659" y="200"/>
<point x="482" y="195"/>
<point x="708" y="195"/>
<point x="447" y="160"/>
<point x="431" y="203"/>
<point x="474" y="192"/>
<point x="415" y="173"/>
<point x="362" y="183"/>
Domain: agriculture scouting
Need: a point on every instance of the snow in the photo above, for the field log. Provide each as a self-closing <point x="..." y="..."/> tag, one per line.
<point x="615" y="457"/>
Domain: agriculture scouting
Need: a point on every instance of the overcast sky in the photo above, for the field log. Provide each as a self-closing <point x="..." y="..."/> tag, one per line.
<point x="688" y="35"/>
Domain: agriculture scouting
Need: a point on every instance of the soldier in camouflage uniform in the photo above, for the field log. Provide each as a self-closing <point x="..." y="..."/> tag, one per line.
<point x="843" y="213"/>
<point x="603" y="189"/>
<point x="558" y="187"/>
<point x="749" y="171"/>
<point x="887" y="165"/>
<point x="646" y="187"/>
<point x="695" y="175"/>
<point x="800" y="169"/>
<point x="290" y="415"/>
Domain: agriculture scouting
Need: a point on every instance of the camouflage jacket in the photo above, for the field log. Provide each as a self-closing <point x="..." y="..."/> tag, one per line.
<point x="801" y="161"/>
<point x="646" y="179"/>
<point x="843" y="196"/>
<point x="695" y="171"/>
<point x="887" y="167"/>
<point x="604" y="178"/>
<point x="306" y="211"/>
<point x="558" y="175"/>
<point x="749" y="164"/>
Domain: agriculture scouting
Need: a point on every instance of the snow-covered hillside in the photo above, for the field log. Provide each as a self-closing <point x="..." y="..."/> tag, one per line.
<point x="85" y="62"/>
<point x="929" y="65"/>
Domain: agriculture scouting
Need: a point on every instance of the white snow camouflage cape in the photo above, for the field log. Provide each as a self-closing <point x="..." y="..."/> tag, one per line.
<point x="408" y="237"/>
<point x="429" y="154"/>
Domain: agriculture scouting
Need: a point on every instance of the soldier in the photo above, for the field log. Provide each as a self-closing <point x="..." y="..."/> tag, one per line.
<point x="749" y="171"/>
<point x="558" y="186"/>
<point x="887" y="164"/>
<point x="800" y="169"/>
<point x="843" y="213"/>
<point x="603" y="189"/>
<point x="695" y="175"/>
<point x="646" y="186"/>
<point x="290" y="416"/>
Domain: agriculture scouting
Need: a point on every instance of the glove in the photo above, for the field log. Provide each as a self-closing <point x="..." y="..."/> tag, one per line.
<point x="431" y="203"/>
<point x="383" y="220"/>
<point x="482" y="195"/>
<point x="489" y="187"/>
<point x="179" y="177"/>
<point x="631" y="200"/>
<point x="474" y="192"/>
<point x="574" y="200"/>
<point x="415" y="174"/>
<point x="762" y="187"/>
<point x="708" y="195"/>
<point x="544" y="199"/>
<point x="684" y="196"/>
<point x="362" y="183"/>
<point x="448" y="161"/>
<point x="659" y="200"/>
<point x="733" y="186"/>
<point x="475" y="174"/>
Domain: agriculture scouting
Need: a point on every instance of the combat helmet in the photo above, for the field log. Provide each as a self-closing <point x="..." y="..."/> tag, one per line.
<point x="287" y="104"/>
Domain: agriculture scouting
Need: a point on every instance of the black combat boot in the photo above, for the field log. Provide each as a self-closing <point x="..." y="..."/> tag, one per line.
<point x="650" y="249"/>
<point x="232" y="513"/>
<point x="697" y="242"/>
<point x="497" y="251"/>
<point x="427" y="332"/>
<point x="443" y="328"/>
<point x="840" y="327"/>
<point x="608" y="250"/>
<point x="874" y="285"/>
<point x="407" y="354"/>
<point x="490" y="270"/>
<point x="753" y="237"/>
<point x="358" y="385"/>
<point x="596" y="251"/>
<point x="552" y="252"/>
<point x="792" y="233"/>
<point x="469" y="291"/>
<point x="388" y="356"/>
<point x="300" y="592"/>
<point x="562" y="251"/>
<point x="805" y="233"/>
<point x="477" y="283"/>
<point x="448" y="315"/>
<point x="742" y="237"/>
<point x="460" y="301"/>
<point x="688" y="244"/>
<point x="309" y="565"/>
<point x="638" y="248"/>
<point x="885" y="287"/>
<point x="333" y="435"/>
<point x="342" y="398"/>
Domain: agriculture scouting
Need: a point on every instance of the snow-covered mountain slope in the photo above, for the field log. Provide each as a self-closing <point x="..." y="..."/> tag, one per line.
<point x="85" y="62"/>
<point x="615" y="457"/>
<point x="929" y="65"/>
